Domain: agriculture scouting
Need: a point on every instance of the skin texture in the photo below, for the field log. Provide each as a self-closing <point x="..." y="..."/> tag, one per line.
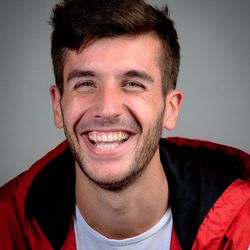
<point x="114" y="86"/>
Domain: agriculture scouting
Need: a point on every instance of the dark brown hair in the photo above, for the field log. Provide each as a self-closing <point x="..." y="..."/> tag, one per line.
<point x="76" y="23"/>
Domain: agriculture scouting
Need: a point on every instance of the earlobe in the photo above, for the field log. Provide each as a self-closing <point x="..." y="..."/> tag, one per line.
<point x="56" y="106"/>
<point x="173" y="102"/>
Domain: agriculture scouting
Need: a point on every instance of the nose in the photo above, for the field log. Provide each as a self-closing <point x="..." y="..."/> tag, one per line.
<point x="108" y="103"/>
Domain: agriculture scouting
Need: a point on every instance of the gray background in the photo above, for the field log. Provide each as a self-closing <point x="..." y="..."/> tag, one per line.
<point x="215" y="40"/>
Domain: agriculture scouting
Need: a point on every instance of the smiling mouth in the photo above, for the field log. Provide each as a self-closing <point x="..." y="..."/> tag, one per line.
<point x="107" y="140"/>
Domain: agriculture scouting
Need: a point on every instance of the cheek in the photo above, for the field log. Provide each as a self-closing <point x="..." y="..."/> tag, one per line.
<point x="146" y="110"/>
<point x="73" y="109"/>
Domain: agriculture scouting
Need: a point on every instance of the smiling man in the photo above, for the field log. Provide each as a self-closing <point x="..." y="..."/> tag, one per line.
<point x="109" y="87"/>
<point x="114" y="183"/>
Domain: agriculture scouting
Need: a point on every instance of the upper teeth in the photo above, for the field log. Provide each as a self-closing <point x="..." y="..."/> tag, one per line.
<point x="108" y="137"/>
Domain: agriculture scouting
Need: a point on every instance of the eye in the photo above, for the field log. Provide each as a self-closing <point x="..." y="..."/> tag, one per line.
<point x="133" y="85"/>
<point x="84" y="84"/>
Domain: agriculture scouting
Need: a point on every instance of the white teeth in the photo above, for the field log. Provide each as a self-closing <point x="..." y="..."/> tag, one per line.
<point x="107" y="140"/>
<point x="105" y="146"/>
<point x="91" y="137"/>
<point x="104" y="138"/>
<point x="119" y="136"/>
<point x="98" y="137"/>
<point x="110" y="137"/>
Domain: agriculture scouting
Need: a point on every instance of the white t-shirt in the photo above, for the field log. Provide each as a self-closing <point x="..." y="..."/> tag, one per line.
<point x="157" y="238"/>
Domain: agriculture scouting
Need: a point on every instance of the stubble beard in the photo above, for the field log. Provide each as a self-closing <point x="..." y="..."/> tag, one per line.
<point x="142" y="158"/>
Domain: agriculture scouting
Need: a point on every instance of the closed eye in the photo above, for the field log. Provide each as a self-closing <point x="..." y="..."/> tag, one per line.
<point x="83" y="84"/>
<point x="133" y="85"/>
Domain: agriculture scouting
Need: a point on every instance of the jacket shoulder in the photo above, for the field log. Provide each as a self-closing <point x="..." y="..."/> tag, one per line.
<point x="14" y="219"/>
<point x="199" y="172"/>
<point x="11" y="226"/>
<point x="226" y="226"/>
<point x="15" y="190"/>
<point x="237" y="235"/>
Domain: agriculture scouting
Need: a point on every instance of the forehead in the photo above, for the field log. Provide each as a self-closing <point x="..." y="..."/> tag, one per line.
<point x="114" y="54"/>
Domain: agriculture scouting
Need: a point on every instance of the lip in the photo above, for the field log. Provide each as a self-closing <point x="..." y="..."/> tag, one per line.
<point x="107" y="153"/>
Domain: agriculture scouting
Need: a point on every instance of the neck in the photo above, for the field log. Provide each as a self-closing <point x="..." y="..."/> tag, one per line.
<point x="127" y="213"/>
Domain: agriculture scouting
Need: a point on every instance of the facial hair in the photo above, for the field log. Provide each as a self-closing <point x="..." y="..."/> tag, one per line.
<point x="143" y="155"/>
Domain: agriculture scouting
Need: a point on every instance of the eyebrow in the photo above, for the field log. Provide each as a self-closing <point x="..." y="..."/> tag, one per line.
<point x="139" y="74"/>
<point x="80" y="73"/>
<point x="130" y="73"/>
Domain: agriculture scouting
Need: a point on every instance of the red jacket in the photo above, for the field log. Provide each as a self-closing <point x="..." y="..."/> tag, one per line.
<point x="209" y="196"/>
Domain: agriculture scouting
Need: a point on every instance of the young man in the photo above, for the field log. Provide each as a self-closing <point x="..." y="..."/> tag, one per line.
<point x="115" y="184"/>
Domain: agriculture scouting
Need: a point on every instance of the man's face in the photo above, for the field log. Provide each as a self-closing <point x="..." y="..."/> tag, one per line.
<point x="112" y="108"/>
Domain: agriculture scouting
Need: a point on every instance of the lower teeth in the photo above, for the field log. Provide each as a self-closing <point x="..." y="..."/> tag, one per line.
<point x="106" y="145"/>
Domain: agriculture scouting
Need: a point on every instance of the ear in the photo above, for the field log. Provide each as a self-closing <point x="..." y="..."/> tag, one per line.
<point x="56" y="106"/>
<point x="173" y="102"/>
